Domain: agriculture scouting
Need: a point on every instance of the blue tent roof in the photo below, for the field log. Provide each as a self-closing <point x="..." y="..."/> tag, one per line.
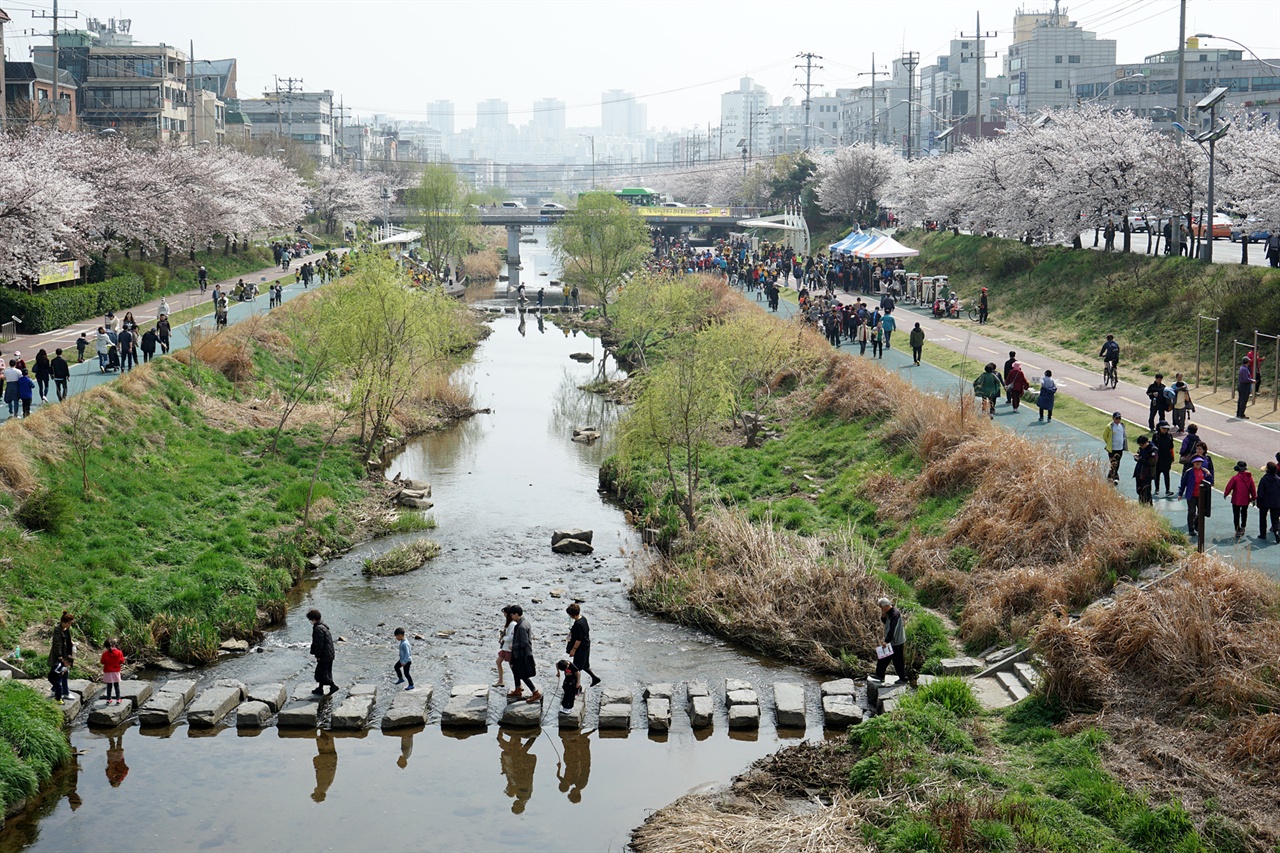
<point x="855" y="240"/>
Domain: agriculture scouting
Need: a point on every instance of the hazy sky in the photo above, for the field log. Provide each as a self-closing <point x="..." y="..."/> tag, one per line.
<point x="396" y="57"/>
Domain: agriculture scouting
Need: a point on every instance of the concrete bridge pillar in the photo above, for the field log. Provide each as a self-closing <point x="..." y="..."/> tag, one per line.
<point x="513" y="255"/>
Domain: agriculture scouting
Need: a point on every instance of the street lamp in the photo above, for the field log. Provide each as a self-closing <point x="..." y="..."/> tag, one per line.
<point x="1245" y="46"/>
<point x="593" y="157"/>
<point x="1135" y="76"/>
<point x="1215" y="132"/>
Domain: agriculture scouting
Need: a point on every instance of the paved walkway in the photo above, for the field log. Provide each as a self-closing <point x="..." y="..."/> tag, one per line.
<point x="87" y="375"/>
<point x="1069" y="440"/>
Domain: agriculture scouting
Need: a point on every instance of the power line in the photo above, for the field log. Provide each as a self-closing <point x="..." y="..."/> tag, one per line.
<point x="808" y="89"/>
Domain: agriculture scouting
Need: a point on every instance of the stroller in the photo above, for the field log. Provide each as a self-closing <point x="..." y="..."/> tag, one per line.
<point x="113" y="358"/>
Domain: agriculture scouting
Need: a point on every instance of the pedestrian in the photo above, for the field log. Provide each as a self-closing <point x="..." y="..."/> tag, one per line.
<point x="128" y="354"/>
<point x="1159" y="403"/>
<point x="202" y="276"/>
<point x="982" y="308"/>
<point x="1182" y="404"/>
<point x="43" y="371"/>
<point x="1108" y="236"/>
<point x="1241" y="491"/>
<point x="102" y="346"/>
<point x="504" y="645"/>
<point x="217" y="294"/>
<point x="564" y="296"/>
<point x="163" y="330"/>
<point x="112" y="661"/>
<point x="1044" y="399"/>
<point x="579" y="645"/>
<point x="888" y="325"/>
<point x="1144" y="471"/>
<point x="11" y="376"/>
<point x="1164" y="457"/>
<point x="916" y="339"/>
<point x="1008" y="366"/>
<point x="987" y="388"/>
<point x="111" y="323"/>
<point x="1244" y="387"/>
<point x="1116" y="444"/>
<point x="1017" y="385"/>
<point x="862" y="335"/>
<point x="1273" y="248"/>
<point x="404" y="659"/>
<point x="61" y="658"/>
<point x="322" y="648"/>
<point x="26" y="390"/>
<point x="895" y="636"/>
<point x="877" y="342"/>
<point x="61" y="373"/>
<point x="148" y="345"/>
<point x="541" y="291"/>
<point x="82" y="344"/>
<point x="163" y="310"/>
<point x="573" y="294"/>
<point x="1269" y="502"/>
<point x="1192" y="479"/>
<point x="571" y="688"/>
<point x="523" y="668"/>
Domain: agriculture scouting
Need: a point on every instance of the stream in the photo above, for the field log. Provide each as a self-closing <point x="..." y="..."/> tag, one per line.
<point x="502" y="482"/>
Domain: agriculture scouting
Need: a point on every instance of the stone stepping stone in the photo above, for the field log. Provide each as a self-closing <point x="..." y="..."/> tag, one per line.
<point x="615" y="695"/>
<point x="572" y="718"/>
<point x="701" y="707"/>
<point x="109" y="716"/>
<point x="271" y="695"/>
<point x="231" y="682"/>
<point x="212" y="705"/>
<point x="744" y="716"/>
<point x="299" y="715"/>
<point x="615" y="716"/>
<point x="840" y="711"/>
<point x="354" y="712"/>
<point x="660" y="691"/>
<point x="788" y="704"/>
<point x="468" y="707"/>
<point x="741" y="697"/>
<point x="520" y="714"/>
<point x="1010" y="682"/>
<point x="71" y="707"/>
<point x="162" y="708"/>
<point x="734" y="684"/>
<point x="659" y="713"/>
<point x="409" y="708"/>
<point x="184" y="687"/>
<point x="960" y="665"/>
<point x="135" y="693"/>
<point x="253" y="715"/>
<point x="839" y="687"/>
<point x="87" y="689"/>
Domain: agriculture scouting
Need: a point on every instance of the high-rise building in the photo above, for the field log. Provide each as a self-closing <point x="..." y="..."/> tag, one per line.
<point x="547" y="122"/>
<point x="743" y="117"/>
<point x="305" y="117"/>
<point x="492" y="114"/>
<point x="621" y="115"/>
<point x="1050" y="54"/>
<point x="440" y="117"/>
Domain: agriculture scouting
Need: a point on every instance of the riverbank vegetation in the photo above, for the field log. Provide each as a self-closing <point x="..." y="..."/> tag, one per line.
<point x="402" y="559"/>
<point x="599" y="244"/>
<point x="1073" y="298"/>
<point x="176" y="506"/>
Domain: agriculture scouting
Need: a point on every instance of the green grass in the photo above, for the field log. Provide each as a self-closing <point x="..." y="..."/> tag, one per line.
<point x="412" y="521"/>
<point x="32" y="743"/>
<point x="182" y="274"/>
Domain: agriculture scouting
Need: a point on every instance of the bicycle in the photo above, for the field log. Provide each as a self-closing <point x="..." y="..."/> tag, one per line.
<point x="1109" y="379"/>
<point x="973" y="313"/>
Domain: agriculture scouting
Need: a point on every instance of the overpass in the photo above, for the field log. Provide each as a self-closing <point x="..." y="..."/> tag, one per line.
<point x="723" y="216"/>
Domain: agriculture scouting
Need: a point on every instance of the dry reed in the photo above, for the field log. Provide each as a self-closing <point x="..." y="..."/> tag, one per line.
<point x="712" y="823"/>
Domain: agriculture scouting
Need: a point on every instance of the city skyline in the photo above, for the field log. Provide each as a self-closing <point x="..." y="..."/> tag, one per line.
<point x="677" y="73"/>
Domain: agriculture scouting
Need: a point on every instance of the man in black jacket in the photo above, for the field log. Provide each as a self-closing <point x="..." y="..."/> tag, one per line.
<point x="322" y="648"/>
<point x="895" y="635"/>
<point x="522" y="665"/>
<point x="61" y="372"/>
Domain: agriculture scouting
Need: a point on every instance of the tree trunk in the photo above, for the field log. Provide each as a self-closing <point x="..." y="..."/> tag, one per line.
<point x="1076" y="244"/>
<point x="1244" y="248"/>
<point x="191" y="255"/>
<point x="1128" y="236"/>
<point x="166" y="255"/>
<point x="226" y="246"/>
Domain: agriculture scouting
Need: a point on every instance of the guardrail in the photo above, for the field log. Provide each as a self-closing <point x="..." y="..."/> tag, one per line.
<point x="8" y="331"/>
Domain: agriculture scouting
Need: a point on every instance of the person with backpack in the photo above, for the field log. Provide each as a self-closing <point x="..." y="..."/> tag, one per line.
<point x="1182" y="405"/>
<point x="1144" y="471"/>
<point x="987" y="388"/>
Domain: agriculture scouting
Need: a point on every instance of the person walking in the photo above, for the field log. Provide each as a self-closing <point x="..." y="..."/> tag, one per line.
<point x="43" y="371"/>
<point x="877" y="339"/>
<point x="1044" y="399"/>
<point x="862" y="335"/>
<point x="61" y="373"/>
<point x="1164" y="458"/>
<point x="112" y="661"/>
<point x="982" y="308"/>
<point x="1192" y="479"/>
<point x="1008" y="366"/>
<point x="579" y="645"/>
<point x="322" y="648"/>
<point x="571" y="688"/>
<point x="1117" y="444"/>
<point x="1269" y="502"/>
<point x="11" y="376"/>
<point x="163" y="331"/>
<point x="125" y="343"/>
<point x="504" y="645"/>
<point x="987" y="388"/>
<point x="1144" y="471"/>
<point x="26" y="391"/>
<point x="916" y="340"/>
<point x="102" y="346"/>
<point x="1273" y="248"/>
<point x="1182" y="404"/>
<point x="1159" y="403"/>
<point x="61" y="658"/>
<point x="1241" y="491"/>
<point x="1017" y="385"/>
<point x="1244" y="387"/>
<point x="523" y="668"/>
<point x="148" y="345"/>
<point x="163" y="310"/>
<point x="404" y="659"/>
<point x="895" y="636"/>
<point x="888" y="325"/>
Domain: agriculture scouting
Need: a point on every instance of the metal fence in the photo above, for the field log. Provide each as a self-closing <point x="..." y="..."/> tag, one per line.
<point x="8" y="331"/>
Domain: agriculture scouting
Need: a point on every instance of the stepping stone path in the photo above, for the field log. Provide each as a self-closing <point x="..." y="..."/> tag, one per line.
<point x="960" y="666"/>
<point x="211" y="706"/>
<point x="788" y="705"/>
<point x="839" y="704"/>
<point x="166" y="704"/>
<point x="409" y="708"/>
<point x="701" y="708"/>
<point x="355" y="710"/>
<point x="109" y="716"/>
<point x="253" y="715"/>
<point x="615" y="708"/>
<point x="468" y="707"/>
<point x="572" y="718"/>
<point x="743" y="704"/>
<point x="271" y="695"/>
<point x="520" y="714"/>
<point x="658" y="710"/>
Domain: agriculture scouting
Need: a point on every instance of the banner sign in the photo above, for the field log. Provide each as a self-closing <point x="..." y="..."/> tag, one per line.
<point x="56" y="271"/>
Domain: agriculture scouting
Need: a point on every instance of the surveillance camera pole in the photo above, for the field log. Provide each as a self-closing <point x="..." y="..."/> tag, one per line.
<point x="1207" y="253"/>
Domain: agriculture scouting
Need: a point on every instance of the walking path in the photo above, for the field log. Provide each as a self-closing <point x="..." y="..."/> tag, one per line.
<point x="1073" y="442"/>
<point x="87" y="375"/>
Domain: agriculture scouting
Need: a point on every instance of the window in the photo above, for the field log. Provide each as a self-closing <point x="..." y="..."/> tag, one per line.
<point x="1057" y="60"/>
<point x="1266" y="84"/>
<point x="1057" y="84"/>
<point x="1084" y="90"/>
<point x="964" y="45"/>
<point x="963" y="60"/>
<point x="1162" y="87"/>
<point x="1073" y="60"/>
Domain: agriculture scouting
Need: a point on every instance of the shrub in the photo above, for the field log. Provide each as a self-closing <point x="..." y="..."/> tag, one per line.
<point x="54" y="309"/>
<point x="954" y="694"/>
<point x="45" y="509"/>
<point x="402" y="559"/>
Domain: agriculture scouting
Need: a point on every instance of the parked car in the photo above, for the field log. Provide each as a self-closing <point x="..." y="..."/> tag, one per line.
<point x="1222" y="226"/>
<point x="672" y="204"/>
<point x="552" y="207"/>
<point x="1137" y="220"/>
<point x="1251" y="227"/>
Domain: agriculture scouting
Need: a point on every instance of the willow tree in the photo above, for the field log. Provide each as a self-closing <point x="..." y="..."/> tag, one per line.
<point x="441" y="203"/>
<point x="599" y="244"/>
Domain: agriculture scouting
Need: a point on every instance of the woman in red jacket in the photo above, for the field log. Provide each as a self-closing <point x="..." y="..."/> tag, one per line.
<point x="1016" y="384"/>
<point x="1241" y="491"/>
<point x="112" y="662"/>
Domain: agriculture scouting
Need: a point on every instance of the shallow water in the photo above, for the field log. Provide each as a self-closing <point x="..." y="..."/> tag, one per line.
<point x="501" y="482"/>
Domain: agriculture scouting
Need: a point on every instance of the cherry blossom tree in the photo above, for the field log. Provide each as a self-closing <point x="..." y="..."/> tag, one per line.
<point x="850" y="180"/>
<point x="341" y="194"/>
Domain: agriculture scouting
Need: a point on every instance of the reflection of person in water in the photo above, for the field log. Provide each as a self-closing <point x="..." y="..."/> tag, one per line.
<point x="542" y="327"/>
<point x="406" y="749"/>
<point x="577" y="764"/>
<point x="116" y="768"/>
<point x="517" y="765"/>
<point x="326" y="765"/>
<point x="520" y="328"/>
<point x="73" y="782"/>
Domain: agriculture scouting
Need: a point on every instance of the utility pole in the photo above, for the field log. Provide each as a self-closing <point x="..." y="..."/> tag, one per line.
<point x="872" y="74"/>
<point x="808" y="87"/>
<point x="341" y="147"/>
<point x="54" y="98"/>
<point x="1175" y="227"/>
<point x="910" y="60"/>
<point x="979" y="55"/>
<point x="292" y="85"/>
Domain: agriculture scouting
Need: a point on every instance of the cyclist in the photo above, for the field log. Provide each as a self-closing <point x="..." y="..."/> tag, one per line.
<point x="1110" y="353"/>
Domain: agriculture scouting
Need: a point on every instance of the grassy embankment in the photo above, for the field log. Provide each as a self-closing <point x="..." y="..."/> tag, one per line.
<point x="1067" y="301"/>
<point x="192" y="528"/>
<point x="883" y="488"/>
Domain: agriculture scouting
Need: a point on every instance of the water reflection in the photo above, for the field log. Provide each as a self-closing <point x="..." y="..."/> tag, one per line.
<point x="325" y="764"/>
<point x="518" y="763"/>
<point x="572" y="408"/>
<point x="406" y="745"/>
<point x="116" y="768"/>
<point x="577" y="764"/>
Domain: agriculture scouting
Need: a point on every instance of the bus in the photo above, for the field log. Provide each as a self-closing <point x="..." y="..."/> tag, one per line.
<point x="639" y="196"/>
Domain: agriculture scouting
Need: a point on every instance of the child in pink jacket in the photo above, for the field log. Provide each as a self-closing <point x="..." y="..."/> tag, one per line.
<point x="1241" y="491"/>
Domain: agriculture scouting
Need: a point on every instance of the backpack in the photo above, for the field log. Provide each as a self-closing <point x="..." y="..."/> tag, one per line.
<point x="1170" y="395"/>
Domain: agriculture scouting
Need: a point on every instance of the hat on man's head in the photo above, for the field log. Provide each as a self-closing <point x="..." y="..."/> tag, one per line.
<point x="1242" y="466"/>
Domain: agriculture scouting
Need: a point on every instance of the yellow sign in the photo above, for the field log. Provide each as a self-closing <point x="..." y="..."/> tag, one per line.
<point x="55" y="271"/>
<point x="655" y="212"/>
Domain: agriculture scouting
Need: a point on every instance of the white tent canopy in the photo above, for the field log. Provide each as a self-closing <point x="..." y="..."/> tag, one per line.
<point x="885" y="247"/>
